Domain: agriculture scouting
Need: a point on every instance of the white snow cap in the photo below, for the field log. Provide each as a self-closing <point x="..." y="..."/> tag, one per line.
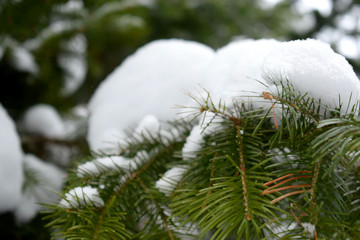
<point x="100" y="165"/>
<point x="80" y="197"/>
<point x="23" y="60"/>
<point x="44" y="120"/>
<point x="310" y="228"/>
<point x="148" y="82"/>
<point x="149" y="127"/>
<point x="313" y="67"/>
<point x="235" y="72"/>
<point x="50" y="179"/>
<point x="170" y="179"/>
<point x="193" y="143"/>
<point x="11" y="165"/>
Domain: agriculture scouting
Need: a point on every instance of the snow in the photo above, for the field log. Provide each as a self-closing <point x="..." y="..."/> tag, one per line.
<point x="305" y="6"/>
<point x="73" y="62"/>
<point x="193" y="143"/>
<point x="75" y="71"/>
<point x="49" y="179"/>
<point x="2" y="51"/>
<point x="44" y="120"/>
<point x="312" y="67"/>
<point x="23" y="60"/>
<point x="348" y="22"/>
<point x="167" y="183"/>
<point x="11" y="164"/>
<point x="71" y="6"/>
<point x="310" y="228"/>
<point x="80" y="197"/>
<point x="281" y="228"/>
<point x="149" y="127"/>
<point x="147" y="85"/>
<point x="268" y="4"/>
<point x="148" y="82"/>
<point x="303" y="24"/>
<point x="55" y="28"/>
<point x="235" y="72"/>
<point x="209" y="123"/>
<point x="349" y="46"/>
<point x="113" y="163"/>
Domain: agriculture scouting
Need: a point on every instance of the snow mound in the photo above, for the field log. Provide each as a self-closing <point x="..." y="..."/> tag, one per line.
<point x="312" y="67"/>
<point x="11" y="165"/>
<point x="113" y="163"/>
<point x="167" y="183"/>
<point x="148" y="127"/>
<point x="148" y="82"/>
<point x="49" y="179"/>
<point x="80" y="197"/>
<point x="44" y="120"/>
<point x="23" y="60"/>
<point x="235" y="72"/>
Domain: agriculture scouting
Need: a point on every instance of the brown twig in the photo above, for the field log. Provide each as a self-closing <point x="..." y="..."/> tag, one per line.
<point x="273" y="188"/>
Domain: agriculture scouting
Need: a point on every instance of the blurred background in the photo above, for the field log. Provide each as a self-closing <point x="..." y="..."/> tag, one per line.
<point x="56" y="52"/>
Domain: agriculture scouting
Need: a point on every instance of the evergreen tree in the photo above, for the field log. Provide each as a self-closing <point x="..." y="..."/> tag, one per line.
<point x="50" y="34"/>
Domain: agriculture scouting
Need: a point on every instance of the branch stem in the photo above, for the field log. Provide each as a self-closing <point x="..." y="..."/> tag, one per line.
<point x="243" y="170"/>
<point x="133" y="177"/>
<point x="159" y="209"/>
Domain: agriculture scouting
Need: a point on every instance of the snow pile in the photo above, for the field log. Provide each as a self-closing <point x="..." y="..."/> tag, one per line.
<point x="80" y="197"/>
<point x="310" y="228"/>
<point x="23" y="60"/>
<point x="149" y="127"/>
<point x="313" y="67"/>
<point x="148" y="82"/>
<point x="167" y="183"/>
<point x="24" y="179"/>
<point x="11" y="165"/>
<point x="193" y="143"/>
<point x="44" y="120"/>
<point x="235" y="72"/>
<point x="115" y="163"/>
<point x="74" y="63"/>
<point x="48" y="180"/>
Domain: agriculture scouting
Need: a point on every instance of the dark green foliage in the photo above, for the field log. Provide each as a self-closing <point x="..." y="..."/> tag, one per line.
<point x="114" y="30"/>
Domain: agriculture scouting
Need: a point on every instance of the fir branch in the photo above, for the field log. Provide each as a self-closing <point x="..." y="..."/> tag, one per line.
<point x="211" y="182"/>
<point x="138" y="172"/>
<point x="243" y="170"/>
<point x="159" y="209"/>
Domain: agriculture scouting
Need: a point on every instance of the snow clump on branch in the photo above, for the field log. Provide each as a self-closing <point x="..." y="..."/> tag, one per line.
<point x="80" y="197"/>
<point x="11" y="163"/>
<point x="115" y="163"/>
<point x="312" y="67"/>
<point x="149" y="81"/>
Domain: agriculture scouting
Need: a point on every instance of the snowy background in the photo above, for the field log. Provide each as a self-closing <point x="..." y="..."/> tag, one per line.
<point x="88" y="100"/>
